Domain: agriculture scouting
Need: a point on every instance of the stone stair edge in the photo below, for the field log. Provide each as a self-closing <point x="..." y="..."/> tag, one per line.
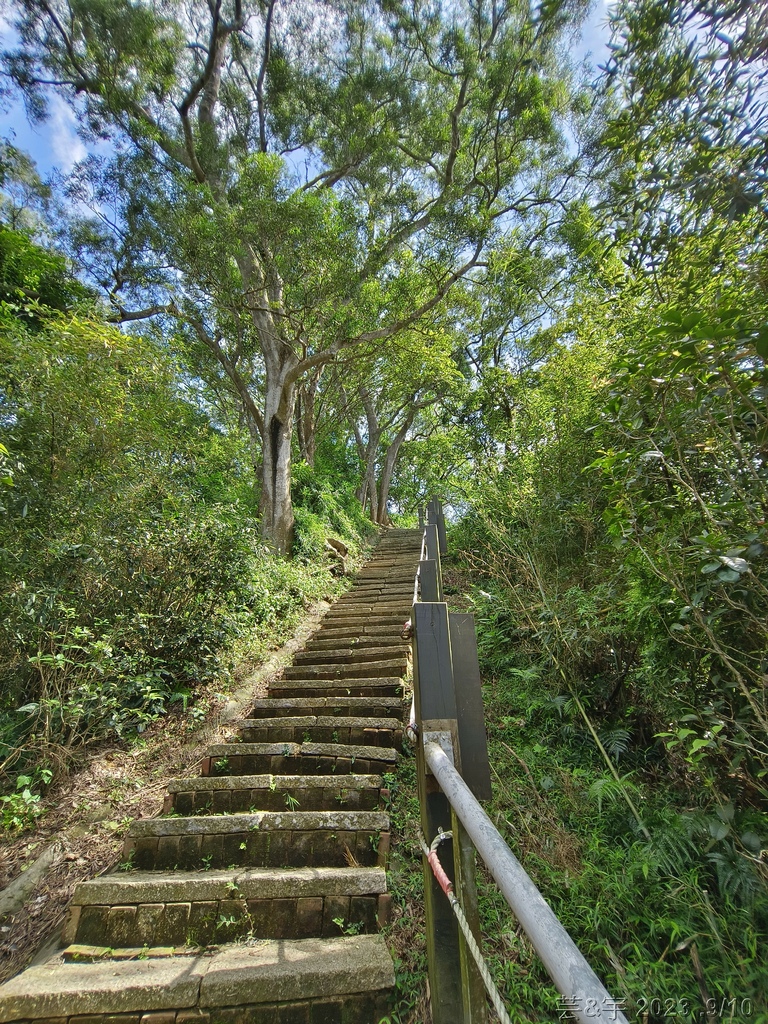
<point x="212" y="782"/>
<point x="239" y="822"/>
<point x="244" y="883"/>
<point x="272" y="971"/>
<point x="309" y="748"/>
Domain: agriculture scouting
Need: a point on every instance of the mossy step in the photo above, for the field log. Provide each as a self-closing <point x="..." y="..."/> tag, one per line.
<point x="307" y="758"/>
<point x="375" y="609"/>
<point x="386" y="686"/>
<point x="374" y="732"/>
<point x="126" y="888"/>
<point x="382" y="707"/>
<point x="233" y="794"/>
<point x="190" y="909"/>
<point x="389" y="642"/>
<point x="356" y="631"/>
<point x="396" y="594"/>
<point x="263" y="839"/>
<point x="391" y="666"/>
<point x="363" y="622"/>
<point x="346" y="655"/>
<point x="285" y="980"/>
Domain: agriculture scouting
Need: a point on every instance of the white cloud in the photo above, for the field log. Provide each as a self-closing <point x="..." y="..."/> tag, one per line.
<point x="66" y="147"/>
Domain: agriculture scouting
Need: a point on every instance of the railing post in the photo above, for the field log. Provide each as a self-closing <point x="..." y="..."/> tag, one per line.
<point x="447" y="722"/>
<point x="475" y="770"/>
<point x="433" y="555"/>
<point x="457" y="991"/>
<point x="429" y="581"/>
<point x="436" y="705"/>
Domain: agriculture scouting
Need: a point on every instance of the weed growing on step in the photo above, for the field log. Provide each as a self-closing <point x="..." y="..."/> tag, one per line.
<point x="348" y="927"/>
<point x="126" y="864"/>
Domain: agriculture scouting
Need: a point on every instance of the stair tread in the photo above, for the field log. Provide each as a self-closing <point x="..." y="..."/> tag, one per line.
<point x="342" y="721"/>
<point x="298" y="821"/>
<point x="302" y="749"/>
<point x="245" y="883"/>
<point x="211" y="782"/>
<point x="341" y="683"/>
<point x="325" y="703"/>
<point x="270" y="970"/>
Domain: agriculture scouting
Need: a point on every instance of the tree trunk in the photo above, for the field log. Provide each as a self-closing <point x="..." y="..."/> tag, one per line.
<point x="276" y="505"/>
<point x="388" y="469"/>
<point x="306" y="422"/>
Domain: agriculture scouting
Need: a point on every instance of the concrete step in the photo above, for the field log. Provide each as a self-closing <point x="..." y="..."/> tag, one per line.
<point x="321" y="642"/>
<point x="380" y="606"/>
<point x="383" y="585"/>
<point x="386" y="686"/>
<point x="350" y="978"/>
<point x="375" y="606"/>
<point x="372" y="732"/>
<point x="391" y="666"/>
<point x="346" y="655"/>
<point x="307" y="758"/>
<point x="358" y="630"/>
<point x="355" y="707"/>
<point x="363" y="620"/>
<point x="393" y="590"/>
<point x="233" y="794"/>
<point x="199" y="908"/>
<point x="262" y="839"/>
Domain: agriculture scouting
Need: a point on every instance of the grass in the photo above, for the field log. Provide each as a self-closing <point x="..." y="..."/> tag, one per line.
<point x="652" y="884"/>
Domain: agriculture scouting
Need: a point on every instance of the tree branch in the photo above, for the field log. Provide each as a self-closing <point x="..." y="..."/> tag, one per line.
<point x="262" y="75"/>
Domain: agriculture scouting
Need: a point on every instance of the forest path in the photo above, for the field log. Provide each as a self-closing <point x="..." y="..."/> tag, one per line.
<point x="258" y="895"/>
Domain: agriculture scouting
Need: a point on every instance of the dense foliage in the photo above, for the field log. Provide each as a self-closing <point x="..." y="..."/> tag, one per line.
<point x="130" y="553"/>
<point x="619" y="527"/>
<point x="543" y="303"/>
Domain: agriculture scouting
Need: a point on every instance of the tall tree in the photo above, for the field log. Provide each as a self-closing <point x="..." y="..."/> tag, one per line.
<point x="426" y="131"/>
<point x="685" y="153"/>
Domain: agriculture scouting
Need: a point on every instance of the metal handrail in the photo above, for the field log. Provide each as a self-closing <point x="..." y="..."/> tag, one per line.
<point x="589" y="1000"/>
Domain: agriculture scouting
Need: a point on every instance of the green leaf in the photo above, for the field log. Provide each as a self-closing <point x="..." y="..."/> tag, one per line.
<point x="719" y="829"/>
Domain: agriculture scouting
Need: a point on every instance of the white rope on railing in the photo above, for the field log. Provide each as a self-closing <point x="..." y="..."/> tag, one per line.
<point x="430" y="852"/>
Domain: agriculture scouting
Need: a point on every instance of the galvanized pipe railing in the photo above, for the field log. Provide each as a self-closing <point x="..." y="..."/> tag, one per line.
<point x="588" y="999"/>
<point x="447" y="704"/>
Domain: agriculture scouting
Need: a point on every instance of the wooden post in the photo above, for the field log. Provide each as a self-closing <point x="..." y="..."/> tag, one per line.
<point x="433" y="555"/>
<point x="428" y="580"/>
<point x="436" y="518"/>
<point x="472" y="987"/>
<point x="435" y="704"/>
<point x="476" y="772"/>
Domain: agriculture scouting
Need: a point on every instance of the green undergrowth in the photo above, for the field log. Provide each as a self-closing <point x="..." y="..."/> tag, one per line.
<point x="406" y="935"/>
<point x="659" y="880"/>
<point x="661" y="917"/>
<point x="659" y="883"/>
<point x="134" y="577"/>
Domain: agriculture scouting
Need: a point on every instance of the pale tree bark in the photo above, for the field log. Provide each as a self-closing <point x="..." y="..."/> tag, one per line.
<point x="378" y="462"/>
<point x="306" y="416"/>
<point x="388" y="467"/>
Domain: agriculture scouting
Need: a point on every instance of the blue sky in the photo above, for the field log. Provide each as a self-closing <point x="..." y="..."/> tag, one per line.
<point x="55" y="145"/>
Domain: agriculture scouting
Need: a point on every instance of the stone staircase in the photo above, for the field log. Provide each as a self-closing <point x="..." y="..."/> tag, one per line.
<point x="258" y="895"/>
